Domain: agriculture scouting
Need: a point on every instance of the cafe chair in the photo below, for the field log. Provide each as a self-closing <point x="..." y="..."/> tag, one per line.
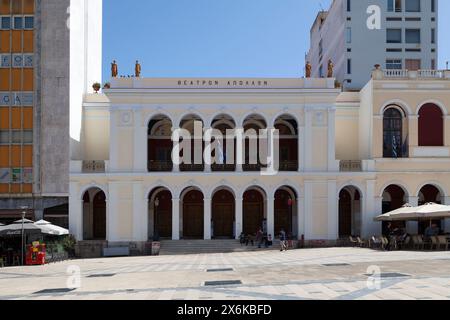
<point x="444" y="242"/>
<point x="16" y="261"/>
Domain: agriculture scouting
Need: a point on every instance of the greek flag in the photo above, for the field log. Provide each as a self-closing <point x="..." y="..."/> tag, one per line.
<point x="220" y="159"/>
<point x="394" y="147"/>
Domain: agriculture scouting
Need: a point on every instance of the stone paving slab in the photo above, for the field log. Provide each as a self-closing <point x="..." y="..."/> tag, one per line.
<point x="294" y="275"/>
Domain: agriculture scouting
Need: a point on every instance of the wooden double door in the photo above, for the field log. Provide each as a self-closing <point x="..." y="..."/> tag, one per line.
<point x="223" y="214"/>
<point x="253" y="215"/>
<point x="193" y="214"/>
<point x="99" y="216"/>
<point x="163" y="214"/>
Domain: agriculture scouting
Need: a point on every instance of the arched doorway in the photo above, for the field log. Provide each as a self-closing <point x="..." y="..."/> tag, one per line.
<point x="253" y="211"/>
<point x="195" y="161"/>
<point x="160" y="214"/>
<point x="395" y="133"/>
<point x="255" y="146"/>
<point x="193" y="215"/>
<point x="94" y="214"/>
<point x="394" y="197"/>
<point x="160" y="144"/>
<point x="224" y="157"/>
<point x="288" y="143"/>
<point x="349" y="212"/>
<point x="429" y="193"/>
<point x="431" y="126"/>
<point x="285" y="203"/>
<point x="223" y="214"/>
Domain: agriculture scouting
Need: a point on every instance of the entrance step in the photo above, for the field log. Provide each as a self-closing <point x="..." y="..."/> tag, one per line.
<point x="182" y="247"/>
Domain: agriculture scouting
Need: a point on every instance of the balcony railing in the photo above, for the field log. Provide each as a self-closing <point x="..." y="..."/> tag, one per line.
<point x="223" y="167"/>
<point x="160" y="166"/>
<point x="91" y="166"/>
<point x="351" y="166"/>
<point x="411" y="74"/>
<point x="288" y="166"/>
<point x="192" y="167"/>
<point x="396" y="73"/>
<point x="252" y="167"/>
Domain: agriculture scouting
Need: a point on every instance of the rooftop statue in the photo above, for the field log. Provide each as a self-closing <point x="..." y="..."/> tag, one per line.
<point x="137" y="69"/>
<point x="114" y="69"/>
<point x="330" y="69"/>
<point x="308" y="69"/>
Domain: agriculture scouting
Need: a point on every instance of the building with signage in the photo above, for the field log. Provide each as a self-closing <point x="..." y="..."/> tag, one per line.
<point x="357" y="34"/>
<point x="43" y="48"/>
<point x="344" y="157"/>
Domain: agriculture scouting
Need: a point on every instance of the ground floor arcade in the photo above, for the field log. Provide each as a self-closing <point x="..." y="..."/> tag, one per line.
<point x="213" y="207"/>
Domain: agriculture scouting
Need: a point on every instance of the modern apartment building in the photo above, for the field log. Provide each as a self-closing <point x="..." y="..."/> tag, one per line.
<point x="407" y="38"/>
<point x="38" y="40"/>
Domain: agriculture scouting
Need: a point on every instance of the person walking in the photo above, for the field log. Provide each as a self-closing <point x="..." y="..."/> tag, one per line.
<point x="283" y="243"/>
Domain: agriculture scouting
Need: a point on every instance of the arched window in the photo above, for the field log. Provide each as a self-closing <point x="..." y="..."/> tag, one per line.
<point x="431" y="126"/>
<point x="394" y="145"/>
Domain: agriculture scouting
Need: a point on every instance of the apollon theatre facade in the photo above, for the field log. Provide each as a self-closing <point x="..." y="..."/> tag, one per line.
<point x="344" y="157"/>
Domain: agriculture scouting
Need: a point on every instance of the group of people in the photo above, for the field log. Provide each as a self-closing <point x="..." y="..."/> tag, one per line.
<point x="262" y="239"/>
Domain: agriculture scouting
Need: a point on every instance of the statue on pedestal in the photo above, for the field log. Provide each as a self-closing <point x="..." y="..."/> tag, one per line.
<point x="330" y="69"/>
<point x="114" y="69"/>
<point x="137" y="69"/>
<point x="308" y="69"/>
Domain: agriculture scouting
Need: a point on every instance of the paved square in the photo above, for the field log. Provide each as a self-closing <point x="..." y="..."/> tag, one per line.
<point x="335" y="273"/>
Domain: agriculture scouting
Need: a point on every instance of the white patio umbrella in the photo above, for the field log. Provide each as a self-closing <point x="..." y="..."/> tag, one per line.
<point x="433" y="211"/>
<point x="15" y="228"/>
<point x="49" y="228"/>
<point x="404" y="213"/>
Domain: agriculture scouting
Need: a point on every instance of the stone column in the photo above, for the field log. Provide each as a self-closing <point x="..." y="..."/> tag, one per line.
<point x="140" y="155"/>
<point x="175" y="219"/>
<point x="300" y="217"/>
<point x="301" y="149"/>
<point x="207" y="155"/>
<point x="112" y="213"/>
<point x="207" y="219"/>
<point x="271" y="216"/>
<point x="446" y="226"/>
<point x="371" y="207"/>
<point x="239" y="217"/>
<point x="240" y="149"/>
<point x="176" y="167"/>
<point x="378" y="209"/>
<point x="332" y="163"/>
<point x="333" y="213"/>
<point x="308" y="139"/>
<point x="114" y="142"/>
<point x="413" y="133"/>
<point x="76" y="213"/>
<point x="140" y="216"/>
<point x="412" y="227"/>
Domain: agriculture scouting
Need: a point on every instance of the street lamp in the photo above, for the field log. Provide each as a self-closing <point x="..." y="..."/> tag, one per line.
<point x="24" y="212"/>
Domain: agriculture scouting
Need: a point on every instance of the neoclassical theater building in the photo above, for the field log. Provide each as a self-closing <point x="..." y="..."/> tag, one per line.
<point x="344" y="157"/>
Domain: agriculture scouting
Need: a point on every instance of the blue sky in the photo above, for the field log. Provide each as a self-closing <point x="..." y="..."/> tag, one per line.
<point x="217" y="38"/>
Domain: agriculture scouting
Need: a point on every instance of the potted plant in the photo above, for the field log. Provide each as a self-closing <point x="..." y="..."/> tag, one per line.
<point x="96" y="86"/>
<point x="107" y="86"/>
